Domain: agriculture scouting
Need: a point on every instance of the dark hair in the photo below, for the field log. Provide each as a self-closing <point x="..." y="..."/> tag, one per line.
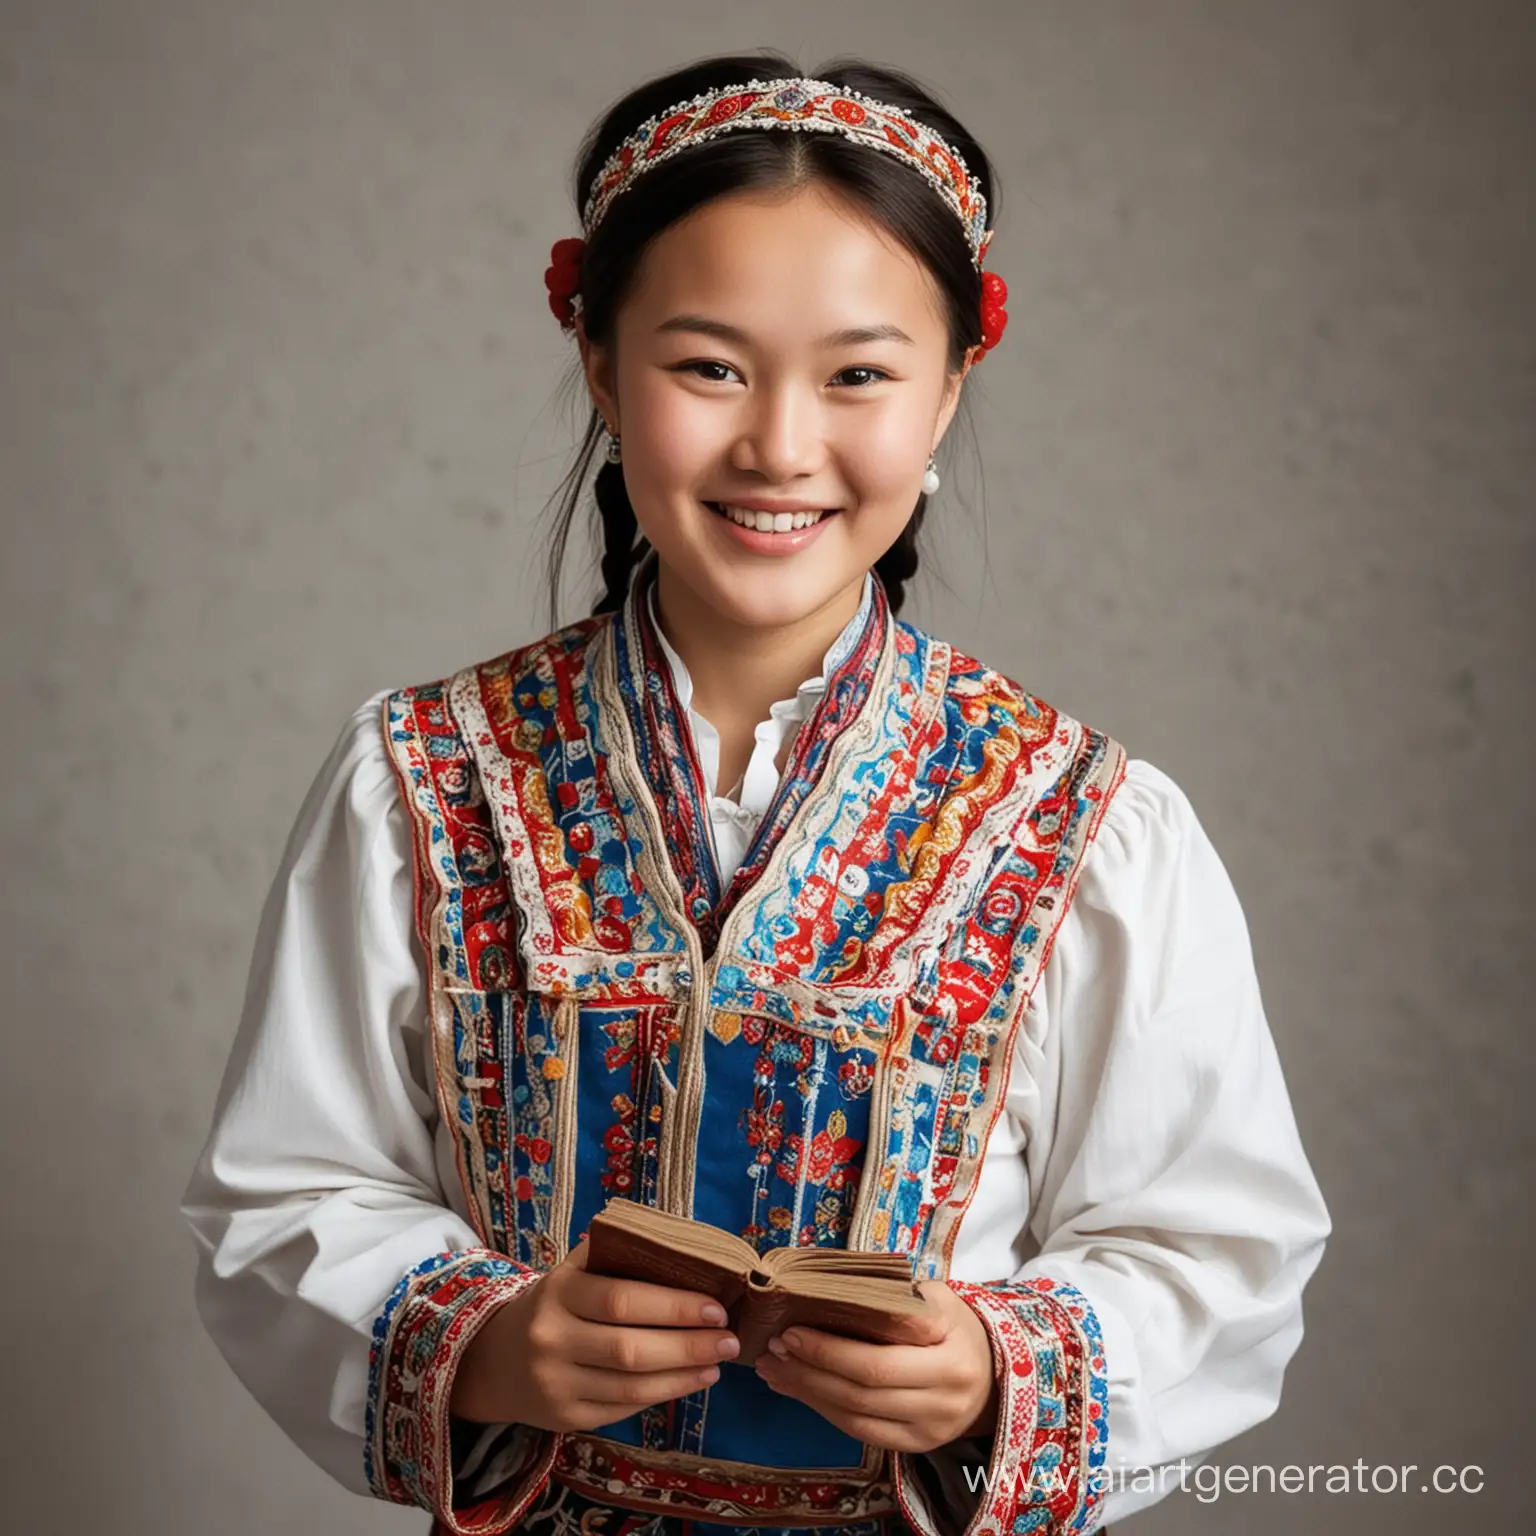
<point x="755" y="159"/>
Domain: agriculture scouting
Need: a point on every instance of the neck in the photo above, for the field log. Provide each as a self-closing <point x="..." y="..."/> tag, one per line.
<point x="739" y="670"/>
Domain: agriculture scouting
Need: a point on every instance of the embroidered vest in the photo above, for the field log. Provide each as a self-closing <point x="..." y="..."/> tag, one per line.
<point x="814" y="1056"/>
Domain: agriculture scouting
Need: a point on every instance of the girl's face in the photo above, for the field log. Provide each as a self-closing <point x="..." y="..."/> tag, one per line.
<point x="777" y="354"/>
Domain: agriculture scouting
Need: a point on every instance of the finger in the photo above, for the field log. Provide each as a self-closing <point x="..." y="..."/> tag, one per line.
<point x="871" y="1365"/>
<point x="638" y="1350"/>
<point x="822" y="1391"/>
<point x="873" y="1430"/>
<point x="882" y="1432"/>
<point x="638" y="1303"/>
<point x="625" y="1393"/>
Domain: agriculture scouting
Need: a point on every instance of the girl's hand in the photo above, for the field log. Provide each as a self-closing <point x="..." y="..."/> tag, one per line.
<point x="578" y="1350"/>
<point x="905" y="1397"/>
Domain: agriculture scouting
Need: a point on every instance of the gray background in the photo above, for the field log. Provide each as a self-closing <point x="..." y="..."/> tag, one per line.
<point x="1258" y="460"/>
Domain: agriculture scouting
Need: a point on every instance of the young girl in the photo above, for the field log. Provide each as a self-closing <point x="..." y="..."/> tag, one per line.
<point x="744" y="899"/>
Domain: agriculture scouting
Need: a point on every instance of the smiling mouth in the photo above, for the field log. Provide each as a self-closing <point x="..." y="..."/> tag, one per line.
<point x="769" y="522"/>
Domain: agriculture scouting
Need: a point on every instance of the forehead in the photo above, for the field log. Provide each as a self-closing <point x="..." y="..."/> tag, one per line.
<point x="806" y="258"/>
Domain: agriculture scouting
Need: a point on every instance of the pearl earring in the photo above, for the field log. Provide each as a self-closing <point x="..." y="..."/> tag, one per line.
<point x="930" y="477"/>
<point x="614" y="452"/>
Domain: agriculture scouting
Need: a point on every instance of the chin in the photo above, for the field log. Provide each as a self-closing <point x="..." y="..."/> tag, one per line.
<point x="774" y="599"/>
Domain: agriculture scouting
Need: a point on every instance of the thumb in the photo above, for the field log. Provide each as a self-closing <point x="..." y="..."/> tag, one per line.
<point x="939" y="1318"/>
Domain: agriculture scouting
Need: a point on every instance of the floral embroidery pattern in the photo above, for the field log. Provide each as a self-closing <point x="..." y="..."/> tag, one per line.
<point x="644" y="1040"/>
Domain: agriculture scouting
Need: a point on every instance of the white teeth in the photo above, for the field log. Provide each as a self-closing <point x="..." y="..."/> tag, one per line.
<point x="770" y="522"/>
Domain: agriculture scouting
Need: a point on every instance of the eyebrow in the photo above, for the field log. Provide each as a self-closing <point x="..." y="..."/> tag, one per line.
<point x="854" y="335"/>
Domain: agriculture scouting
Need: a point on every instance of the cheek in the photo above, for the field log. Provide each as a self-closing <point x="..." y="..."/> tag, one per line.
<point x="670" y="436"/>
<point x="884" y="451"/>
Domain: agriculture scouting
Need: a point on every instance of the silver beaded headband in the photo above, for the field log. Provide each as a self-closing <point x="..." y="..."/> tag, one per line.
<point x="802" y="106"/>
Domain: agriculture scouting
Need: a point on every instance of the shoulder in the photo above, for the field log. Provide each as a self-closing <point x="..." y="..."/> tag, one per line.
<point x="352" y="797"/>
<point x="1152" y="847"/>
<point x="1153" y="894"/>
<point x="1148" y="819"/>
<point x="1153" y="948"/>
<point x="980" y="692"/>
<point x="532" y="658"/>
<point x="360" y="741"/>
<point x="416" y="724"/>
<point x="1146" y="809"/>
<point x="1067" y="766"/>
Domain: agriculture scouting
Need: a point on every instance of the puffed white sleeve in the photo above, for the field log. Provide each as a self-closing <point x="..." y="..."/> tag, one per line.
<point x="1154" y="1294"/>
<point x="336" y="1274"/>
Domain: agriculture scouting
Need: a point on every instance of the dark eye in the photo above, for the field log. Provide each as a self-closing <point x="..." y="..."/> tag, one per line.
<point x="705" y="363"/>
<point x="873" y="376"/>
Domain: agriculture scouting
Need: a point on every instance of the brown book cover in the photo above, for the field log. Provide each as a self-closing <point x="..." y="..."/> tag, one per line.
<point x="838" y="1290"/>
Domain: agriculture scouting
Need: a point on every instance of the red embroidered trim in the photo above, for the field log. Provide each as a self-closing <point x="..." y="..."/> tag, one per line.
<point x="1049" y="1445"/>
<point x="601" y="1469"/>
<point x="418" y="1340"/>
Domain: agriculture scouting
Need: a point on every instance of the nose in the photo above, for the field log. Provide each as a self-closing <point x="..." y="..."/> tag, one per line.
<point x="781" y="437"/>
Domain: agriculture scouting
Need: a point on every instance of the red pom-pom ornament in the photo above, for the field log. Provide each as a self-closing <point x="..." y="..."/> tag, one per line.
<point x="994" y="318"/>
<point x="563" y="277"/>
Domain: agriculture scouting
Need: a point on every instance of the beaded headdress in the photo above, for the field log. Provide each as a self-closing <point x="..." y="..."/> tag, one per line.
<point x="814" y="106"/>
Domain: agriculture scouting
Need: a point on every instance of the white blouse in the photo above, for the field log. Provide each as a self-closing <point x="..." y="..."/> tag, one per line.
<point x="1147" y="1152"/>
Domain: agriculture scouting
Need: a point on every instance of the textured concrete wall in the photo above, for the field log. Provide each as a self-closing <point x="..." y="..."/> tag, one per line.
<point x="1258" y="463"/>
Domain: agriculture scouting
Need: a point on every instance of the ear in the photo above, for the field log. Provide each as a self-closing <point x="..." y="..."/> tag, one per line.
<point x="949" y="402"/>
<point x="597" y="365"/>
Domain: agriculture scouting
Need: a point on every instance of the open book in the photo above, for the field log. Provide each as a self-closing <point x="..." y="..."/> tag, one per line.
<point x="838" y="1290"/>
